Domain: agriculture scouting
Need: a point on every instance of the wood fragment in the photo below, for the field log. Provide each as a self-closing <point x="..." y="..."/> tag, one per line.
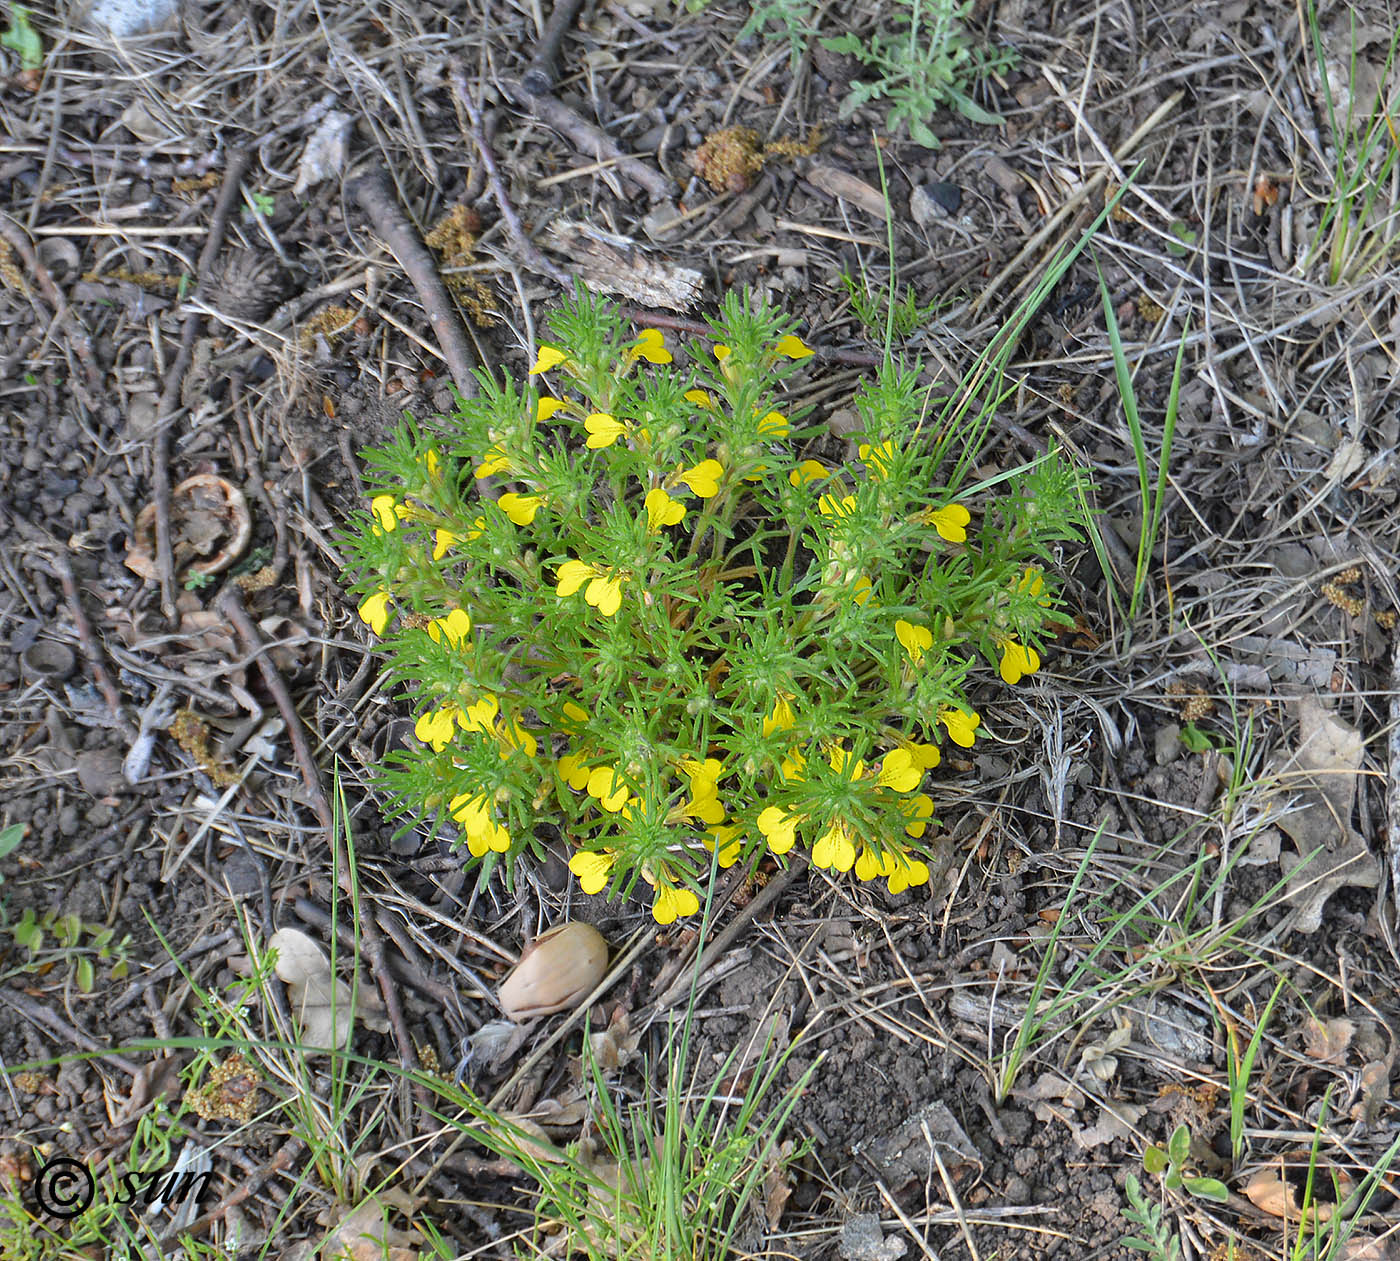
<point x="615" y="264"/>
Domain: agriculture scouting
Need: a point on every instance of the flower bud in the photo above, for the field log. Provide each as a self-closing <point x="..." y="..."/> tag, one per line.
<point x="556" y="971"/>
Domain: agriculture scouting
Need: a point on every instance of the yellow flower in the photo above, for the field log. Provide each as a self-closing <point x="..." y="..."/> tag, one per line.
<point x="604" y="593"/>
<point x="773" y="426"/>
<point x="860" y="593"/>
<point x="730" y="842"/>
<point x="374" y="611"/>
<point x="549" y="357"/>
<point x="603" y="430"/>
<point x="431" y="464"/>
<point x="547" y="407"/>
<point x="905" y="872"/>
<point x="926" y="756"/>
<point x="435" y="728"/>
<point x="483" y="832"/>
<point x="793" y="347"/>
<point x="962" y="726"/>
<point x="703" y="479"/>
<point x="651" y="346"/>
<point x="705" y="806"/>
<point x="779" y="829"/>
<point x="662" y="510"/>
<point x="496" y="461"/>
<point x="830" y="506"/>
<point x="480" y="715"/>
<point x="572" y="716"/>
<point x="593" y="868"/>
<point x="781" y="719"/>
<point x="453" y="628"/>
<point x="442" y="541"/>
<point x="700" y="398"/>
<point x="520" y="508"/>
<point x="1033" y="583"/>
<point x="872" y="865"/>
<point x="575" y="772"/>
<point x="478" y="526"/>
<point x="387" y="511"/>
<point x="515" y="736"/>
<point x="704" y="776"/>
<point x="794" y="766"/>
<point x="807" y="471"/>
<point x="571" y="576"/>
<point x="672" y="904"/>
<point x="835" y="849"/>
<point x="950" y="522"/>
<point x="917" y="810"/>
<point x="877" y="459"/>
<point x="899" y="772"/>
<point x="1017" y="660"/>
<point x="916" y="639"/>
<point x="722" y="353"/>
<point x="606" y="785"/>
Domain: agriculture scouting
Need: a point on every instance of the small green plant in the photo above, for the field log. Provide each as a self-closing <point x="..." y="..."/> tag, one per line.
<point x="1152" y="492"/>
<point x="20" y="37"/>
<point x="1157" y="1239"/>
<point x="790" y="20"/>
<point x="878" y="308"/>
<point x="10" y="838"/>
<point x="1239" y="1068"/>
<point x="670" y="1176"/>
<point x="678" y="632"/>
<point x="925" y="63"/>
<point x="77" y="946"/>
<point x="1172" y="1163"/>
<point x="1356" y="232"/>
<point x="197" y="580"/>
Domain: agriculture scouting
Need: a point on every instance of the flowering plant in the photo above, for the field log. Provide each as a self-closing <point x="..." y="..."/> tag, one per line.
<point x="677" y="632"/>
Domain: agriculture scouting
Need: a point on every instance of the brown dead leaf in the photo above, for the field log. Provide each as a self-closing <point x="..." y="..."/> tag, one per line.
<point x="1265" y="194"/>
<point x="154" y="1079"/>
<point x="364" y="1232"/>
<point x="777" y="1187"/>
<point x="1326" y="1041"/>
<point x="321" y="1002"/>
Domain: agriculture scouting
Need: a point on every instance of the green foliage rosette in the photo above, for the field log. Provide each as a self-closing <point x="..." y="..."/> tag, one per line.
<point x="677" y="636"/>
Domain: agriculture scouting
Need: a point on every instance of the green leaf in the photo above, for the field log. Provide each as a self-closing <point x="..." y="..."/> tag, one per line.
<point x="84" y="974"/>
<point x="119" y="972"/>
<point x="1173" y="1181"/>
<point x="1154" y="1159"/>
<point x="11" y="836"/>
<point x="1179" y="1146"/>
<point x="1208" y="1189"/>
<point x="1195" y="739"/>
<point x="23" y="39"/>
<point x="1185" y="236"/>
<point x="920" y="133"/>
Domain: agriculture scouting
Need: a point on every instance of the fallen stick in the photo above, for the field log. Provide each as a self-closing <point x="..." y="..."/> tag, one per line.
<point x="377" y="199"/>
<point x="175" y="379"/>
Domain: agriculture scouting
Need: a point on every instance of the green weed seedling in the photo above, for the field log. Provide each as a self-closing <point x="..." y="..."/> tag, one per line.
<point x="10" y="837"/>
<point x="1157" y="1239"/>
<point x="876" y="307"/>
<point x="925" y="63"/>
<point x="1169" y="1164"/>
<point x="52" y="939"/>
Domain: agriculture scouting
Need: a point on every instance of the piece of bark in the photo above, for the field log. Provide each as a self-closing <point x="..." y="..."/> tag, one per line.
<point x="614" y="264"/>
